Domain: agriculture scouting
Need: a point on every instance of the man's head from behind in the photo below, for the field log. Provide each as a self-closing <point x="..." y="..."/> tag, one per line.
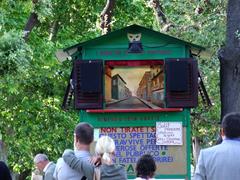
<point x="145" y="166"/>
<point x="83" y="134"/>
<point x="40" y="161"/>
<point x="231" y="125"/>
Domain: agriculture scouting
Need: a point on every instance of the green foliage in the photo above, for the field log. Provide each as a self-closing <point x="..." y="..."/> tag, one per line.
<point x="132" y="12"/>
<point x="32" y="88"/>
<point x="237" y="34"/>
<point x="13" y="15"/>
<point x="43" y="8"/>
<point x="206" y="28"/>
<point x="31" y="118"/>
<point x="205" y="120"/>
<point x="15" y="54"/>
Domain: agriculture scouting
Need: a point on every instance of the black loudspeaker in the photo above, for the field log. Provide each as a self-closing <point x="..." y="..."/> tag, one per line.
<point x="90" y="73"/>
<point x="88" y="84"/>
<point x="178" y="76"/>
<point x="181" y="82"/>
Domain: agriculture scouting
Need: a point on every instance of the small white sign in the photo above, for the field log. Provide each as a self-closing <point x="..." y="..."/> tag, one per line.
<point x="169" y="133"/>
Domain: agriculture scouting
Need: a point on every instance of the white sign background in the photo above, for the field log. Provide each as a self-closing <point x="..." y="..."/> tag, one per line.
<point x="169" y="133"/>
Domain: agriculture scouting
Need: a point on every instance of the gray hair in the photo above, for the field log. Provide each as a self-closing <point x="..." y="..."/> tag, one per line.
<point x="106" y="147"/>
<point x="39" y="158"/>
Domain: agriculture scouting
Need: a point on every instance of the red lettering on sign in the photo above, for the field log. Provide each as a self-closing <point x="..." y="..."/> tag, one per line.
<point x="132" y="129"/>
<point x="151" y="129"/>
<point x="108" y="130"/>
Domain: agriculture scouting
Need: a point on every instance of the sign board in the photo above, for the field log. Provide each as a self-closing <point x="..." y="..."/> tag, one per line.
<point x="169" y="133"/>
<point x="133" y="142"/>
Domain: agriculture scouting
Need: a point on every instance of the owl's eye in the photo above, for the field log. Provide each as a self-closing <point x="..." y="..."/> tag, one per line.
<point x="131" y="36"/>
<point x="137" y="36"/>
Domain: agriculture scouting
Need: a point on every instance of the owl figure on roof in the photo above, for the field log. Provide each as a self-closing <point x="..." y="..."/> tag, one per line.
<point x="135" y="44"/>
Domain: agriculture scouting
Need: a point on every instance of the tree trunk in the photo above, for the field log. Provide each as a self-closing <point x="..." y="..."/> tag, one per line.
<point x="31" y="23"/>
<point x="3" y="155"/>
<point x="229" y="57"/>
<point x="53" y="31"/>
<point x="158" y="10"/>
<point x="106" y="16"/>
<point x="162" y="22"/>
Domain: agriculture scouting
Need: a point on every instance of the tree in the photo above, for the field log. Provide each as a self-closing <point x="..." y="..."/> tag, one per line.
<point x="229" y="57"/>
<point x="32" y="85"/>
<point x="106" y="16"/>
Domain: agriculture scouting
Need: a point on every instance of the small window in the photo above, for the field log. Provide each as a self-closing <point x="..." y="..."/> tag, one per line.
<point x="114" y="82"/>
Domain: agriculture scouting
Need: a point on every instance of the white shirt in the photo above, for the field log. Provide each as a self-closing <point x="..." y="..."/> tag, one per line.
<point x="45" y="168"/>
<point x="64" y="172"/>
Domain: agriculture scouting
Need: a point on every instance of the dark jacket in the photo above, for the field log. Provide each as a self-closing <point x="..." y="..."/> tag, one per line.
<point x="4" y="172"/>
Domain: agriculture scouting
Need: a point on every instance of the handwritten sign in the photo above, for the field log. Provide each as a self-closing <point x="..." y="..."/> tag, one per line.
<point x="169" y="133"/>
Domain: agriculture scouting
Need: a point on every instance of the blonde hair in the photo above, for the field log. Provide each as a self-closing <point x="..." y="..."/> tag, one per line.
<point x="105" y="147"/>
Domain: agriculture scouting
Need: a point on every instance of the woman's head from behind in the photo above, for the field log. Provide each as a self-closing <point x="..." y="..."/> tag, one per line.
<point x="105" y="147"/>
<point x="146" y="166"/>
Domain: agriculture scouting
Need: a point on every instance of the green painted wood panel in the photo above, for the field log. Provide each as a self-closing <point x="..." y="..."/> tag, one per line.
<point x="101" y="120"/>
<point x="122" y="53"/>
<point x="133" y="119"/>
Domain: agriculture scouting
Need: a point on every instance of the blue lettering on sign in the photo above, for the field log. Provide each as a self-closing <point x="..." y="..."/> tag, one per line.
<point x="127" y="160"/>
<point x="165" y="159"/>
<point x="133" y="143"/>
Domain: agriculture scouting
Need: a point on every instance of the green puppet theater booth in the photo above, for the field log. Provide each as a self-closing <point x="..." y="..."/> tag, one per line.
<point x="137" y="86"/>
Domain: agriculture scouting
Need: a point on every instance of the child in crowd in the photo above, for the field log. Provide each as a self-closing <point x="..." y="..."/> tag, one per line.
<point x="145" y="168"/>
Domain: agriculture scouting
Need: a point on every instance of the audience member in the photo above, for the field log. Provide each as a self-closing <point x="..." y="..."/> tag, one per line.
<point x="222" y="161"/>
<point x="44" y="165"/>
<point x="36" y="175"/>
<point x="83" y="137"/>
<point x="4" y="172"/>
<point x="108" y="170"/>
<point x="145" y="168"/>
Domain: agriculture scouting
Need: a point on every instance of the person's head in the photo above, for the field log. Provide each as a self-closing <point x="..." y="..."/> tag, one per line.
<point x="105" y="147"/>
<point x="145" y="166"/>
<point x="83" y="134"/>
<point x="231" y="125"/>
<point x="40" y="161"/>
